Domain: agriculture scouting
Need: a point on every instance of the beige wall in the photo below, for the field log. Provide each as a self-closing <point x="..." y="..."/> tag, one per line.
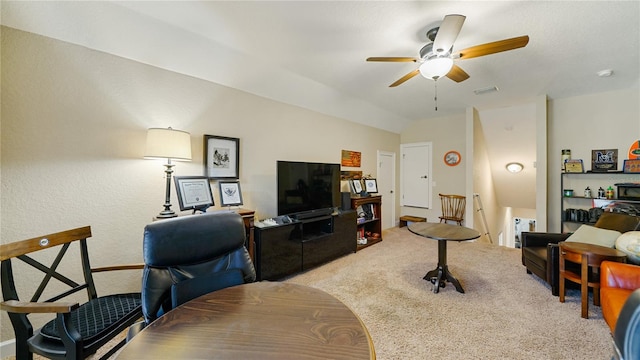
<point x="73" y="131"/>
<point x="445" y="133"/>
<point x="608" y="120"/>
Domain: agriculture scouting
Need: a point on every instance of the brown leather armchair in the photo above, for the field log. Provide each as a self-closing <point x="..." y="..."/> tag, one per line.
<point x="617" y="282"/>
<point x="540" y="250"/>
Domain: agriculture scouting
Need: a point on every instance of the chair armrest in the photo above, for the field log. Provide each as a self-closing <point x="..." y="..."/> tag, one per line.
<point x="24" y="307"/>
<point x="530" y="239"/>
<point x="619" y="275"/>
<point x="118" y="267"/>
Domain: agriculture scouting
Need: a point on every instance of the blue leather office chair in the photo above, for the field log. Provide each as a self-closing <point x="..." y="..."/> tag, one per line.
<point x="189" y="256"/>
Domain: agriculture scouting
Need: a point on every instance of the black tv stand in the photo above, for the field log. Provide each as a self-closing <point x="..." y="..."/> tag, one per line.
<point x="287" y="249"/>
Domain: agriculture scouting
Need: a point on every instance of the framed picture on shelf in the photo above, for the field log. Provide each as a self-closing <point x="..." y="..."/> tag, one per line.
<point x="230" y="194"/>
<point x="370" y="185"/>
<point x="194" y="192"/>
<point x="604" y="160"/>
<point x="632" y="166"/>
<point x="574" y="166"/>
<point x="356" y="186"/>
<point x="221" y="157"/>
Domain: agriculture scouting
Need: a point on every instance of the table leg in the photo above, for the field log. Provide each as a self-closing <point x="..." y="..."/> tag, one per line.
<point x="584" y="287"/>
<point x="440" y="275"/>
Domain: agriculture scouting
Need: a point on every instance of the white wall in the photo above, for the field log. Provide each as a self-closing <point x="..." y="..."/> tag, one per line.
<point x="73" y="131"/>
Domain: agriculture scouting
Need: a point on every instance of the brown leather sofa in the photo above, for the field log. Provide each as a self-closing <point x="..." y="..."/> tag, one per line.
<point x="617" y="282"/>
<point x="540" y="250"/>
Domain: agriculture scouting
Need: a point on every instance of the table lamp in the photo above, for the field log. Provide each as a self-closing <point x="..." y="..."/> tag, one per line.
<point x="168" y="144"/>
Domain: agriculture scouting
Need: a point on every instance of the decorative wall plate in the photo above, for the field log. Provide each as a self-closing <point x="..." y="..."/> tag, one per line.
<point x="452" y="158"/>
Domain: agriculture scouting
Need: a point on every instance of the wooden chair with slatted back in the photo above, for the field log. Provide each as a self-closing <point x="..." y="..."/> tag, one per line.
<point x="76" y="330"/>
<point x="452" y="208"/>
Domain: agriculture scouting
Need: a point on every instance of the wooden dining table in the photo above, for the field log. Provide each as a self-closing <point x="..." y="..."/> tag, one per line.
<point x="262" y="320"/>
<point x="443" y="232"/>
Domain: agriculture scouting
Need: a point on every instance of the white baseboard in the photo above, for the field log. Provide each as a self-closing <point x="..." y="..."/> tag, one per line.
<point x="7" y="348"/>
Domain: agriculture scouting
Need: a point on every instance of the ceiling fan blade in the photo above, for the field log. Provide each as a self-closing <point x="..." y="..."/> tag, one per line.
<point x="447" y="33"/>
<point x="405" y="78"/>
<point x="494" y="47"/>
<point x="393" y="59"/>
<point x="457" y="74"/>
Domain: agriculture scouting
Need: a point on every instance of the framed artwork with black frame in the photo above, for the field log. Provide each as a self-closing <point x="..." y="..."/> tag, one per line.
<point x="370" y="185"/>
<point x="356" y="186"/>
<point x="194" y="193"/>
<point x="230" y="194"/>
<point x="221" y="157"/>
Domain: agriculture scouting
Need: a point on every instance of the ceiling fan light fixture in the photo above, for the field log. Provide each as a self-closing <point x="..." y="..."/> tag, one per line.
<point x="436" y="67"/>
<point x="514" y="167"/>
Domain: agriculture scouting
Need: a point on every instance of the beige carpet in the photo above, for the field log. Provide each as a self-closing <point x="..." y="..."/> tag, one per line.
<point x="503" y="314"/>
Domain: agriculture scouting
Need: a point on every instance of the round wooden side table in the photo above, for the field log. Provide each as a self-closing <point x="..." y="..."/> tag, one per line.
<point x="589" y="257"/>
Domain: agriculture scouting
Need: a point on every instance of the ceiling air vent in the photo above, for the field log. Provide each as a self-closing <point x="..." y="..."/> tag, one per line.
<point x="485" y="90"/>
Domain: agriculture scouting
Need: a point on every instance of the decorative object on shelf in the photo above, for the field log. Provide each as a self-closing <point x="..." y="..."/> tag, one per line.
<point x="230" y="193"/>
<point x="168" y="144"/>
<point x="566" y="155"/>
<point x="356" y="186"/>
<point x="351" y="158"/>
<point x="350" y="175"/>
<point x="221" y="157"/>
<point x="634" y="150"/>
<point x="609" y="193"/>
<point x="568" y="192"/>
<point x="370" y="185"/>
<point x="601" y="193"/>
<point x="574" y="166"/>
<point x="514" y="167"/>
<point x="604" y="160"/>
<point x="194" y="193"/>
<point x="452" y="158"/>
<point x="587" y="192"/>
<point x="631" y="166"/>
<point x="628" y="191"/>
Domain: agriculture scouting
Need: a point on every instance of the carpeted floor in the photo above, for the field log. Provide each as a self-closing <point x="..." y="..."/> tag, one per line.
<point x="503" y="314"/>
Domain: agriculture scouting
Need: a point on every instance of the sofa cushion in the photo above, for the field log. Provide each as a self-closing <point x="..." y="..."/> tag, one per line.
<point x="629" y="243"/>
<point x="595" y="236"/>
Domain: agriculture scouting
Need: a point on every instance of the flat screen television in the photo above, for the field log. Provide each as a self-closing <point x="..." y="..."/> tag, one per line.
<point x="307" y="189"/>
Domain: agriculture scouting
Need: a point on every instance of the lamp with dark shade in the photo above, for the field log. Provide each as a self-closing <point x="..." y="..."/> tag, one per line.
<point x="168" y="144"/>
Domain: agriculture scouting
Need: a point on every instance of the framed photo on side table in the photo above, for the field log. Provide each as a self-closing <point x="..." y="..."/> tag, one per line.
<point x="230" y="194"/>
<point x="221" y="157"/>
<point x="370" y="185"/>
<point x="194" y="193"/>
<point x="356" y="186"/>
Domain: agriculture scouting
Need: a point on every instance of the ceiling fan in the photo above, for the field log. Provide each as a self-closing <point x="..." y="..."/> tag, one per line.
<point x="436" y="58"/>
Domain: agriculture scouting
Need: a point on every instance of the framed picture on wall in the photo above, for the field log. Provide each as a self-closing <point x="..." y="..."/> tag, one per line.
<point x="230" y="194"/>
<point x="221" y="157"/>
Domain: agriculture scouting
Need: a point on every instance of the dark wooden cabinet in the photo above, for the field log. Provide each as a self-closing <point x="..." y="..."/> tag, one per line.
<point x="369" y="218"/>
<point x="286" y="249"/>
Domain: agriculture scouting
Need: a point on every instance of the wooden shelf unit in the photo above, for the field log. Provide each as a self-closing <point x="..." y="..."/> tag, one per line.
<point x="373" y="225"/>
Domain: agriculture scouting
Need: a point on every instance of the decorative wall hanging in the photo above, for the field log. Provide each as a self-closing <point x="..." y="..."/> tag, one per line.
<point x="351" y="158"/>
<point x="452" y="158"/>
<point x="230" y="194"/>
<point x="221" y="157"/>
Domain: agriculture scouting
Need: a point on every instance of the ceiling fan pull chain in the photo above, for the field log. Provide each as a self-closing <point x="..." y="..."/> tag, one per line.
<point x="435" y="98"/>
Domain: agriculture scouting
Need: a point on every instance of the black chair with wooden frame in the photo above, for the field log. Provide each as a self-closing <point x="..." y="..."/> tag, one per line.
<point x="78" y="330"/>
<point x="453" y="207"/>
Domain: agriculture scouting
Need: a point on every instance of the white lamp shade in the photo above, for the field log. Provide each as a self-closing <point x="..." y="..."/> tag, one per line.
<point x="436" y="67"/>
<point x="168" y="144"/>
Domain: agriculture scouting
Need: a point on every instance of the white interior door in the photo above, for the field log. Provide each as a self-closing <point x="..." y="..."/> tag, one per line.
<point x="386" y="179"/>
<point x="415" y="169"/>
